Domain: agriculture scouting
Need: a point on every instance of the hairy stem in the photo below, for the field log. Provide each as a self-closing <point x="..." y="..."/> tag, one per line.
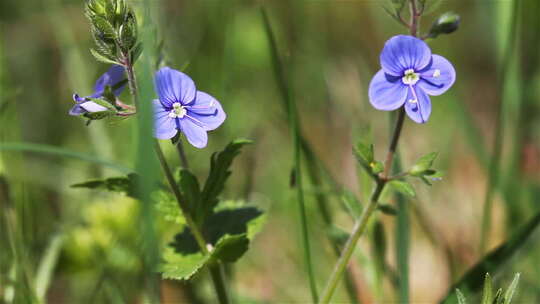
<point x="215" y="270"/>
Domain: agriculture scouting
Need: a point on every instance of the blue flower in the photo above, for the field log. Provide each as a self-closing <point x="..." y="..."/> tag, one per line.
<point x="409" y="74"/>
<point x="111" y="78"/>
<point x="181" y="107"/>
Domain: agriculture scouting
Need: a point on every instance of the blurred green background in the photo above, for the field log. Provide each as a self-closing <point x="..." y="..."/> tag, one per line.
<point x="80" y="246"/>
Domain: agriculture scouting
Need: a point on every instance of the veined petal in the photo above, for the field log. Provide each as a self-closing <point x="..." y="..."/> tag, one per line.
<point x="386" y="93"/>
<point x="418" y="105"/>
<point x="92" y="107"/>
<point x="164" y="126"/>
<point x="195" y="134"/>
<point x="438" y="76"/>
<point x="114" y="75"/>
<point x="402" y="52"/>
<point x="207" y="110"/>
<point x="174" y="86"/>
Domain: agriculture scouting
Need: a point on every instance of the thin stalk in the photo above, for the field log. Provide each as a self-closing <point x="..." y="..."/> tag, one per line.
<point x="361" y="224"/>
<point x="182" y="154"/>
<point x="358" y="230"/>
<point x="182" y="203"/>
<point x="494" y="165"/>
<point x="217" y="276"/>
<point x="297" y="142"/>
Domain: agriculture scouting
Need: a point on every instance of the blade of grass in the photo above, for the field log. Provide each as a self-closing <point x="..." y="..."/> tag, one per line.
<point x="47" y="265"/>
<point x="492" y="262"/>
<point x="402" y="231"/>
<point x="294" y="126"/>
<point x="61" y="152"/>
<point x="494" y="166"/>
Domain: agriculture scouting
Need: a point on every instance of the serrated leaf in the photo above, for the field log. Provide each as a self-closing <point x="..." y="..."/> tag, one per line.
<point x="103" y="57"/>
<point x="220" y="164"/>
<point x="189" y="186"/>
<point x="230" y="220"/>
<point x="460" y="297"/>
<point x="472" y="279"/>
<point x="423" y="163"/>
<point x="229" y="232"/>
<point x="402" y="187"/>
<point x="487" y="296"/>
<point x="509" y="294"/>
<point x="181" y="267"/>
<point x="230" y="248"/>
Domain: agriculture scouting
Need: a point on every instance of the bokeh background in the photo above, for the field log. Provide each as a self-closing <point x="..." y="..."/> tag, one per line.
<point x="81" y="246"/>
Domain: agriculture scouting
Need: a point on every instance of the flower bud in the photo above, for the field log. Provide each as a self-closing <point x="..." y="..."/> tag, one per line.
<point x="447" y="23"/>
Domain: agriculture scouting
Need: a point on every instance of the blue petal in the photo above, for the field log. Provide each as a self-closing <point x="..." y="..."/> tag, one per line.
<point x="386" y="93"/>
<point x="418" y="111"/>
<point x="77" y="110"/>
<point x="164" y="126"/>
<point x="207" y="110"/>
<point x="114" y="75"/>
<point x="194" y="132"/>
<point x="401" y="53"/>
<point x="174" y="86"/>
<point x="438" y="77"/>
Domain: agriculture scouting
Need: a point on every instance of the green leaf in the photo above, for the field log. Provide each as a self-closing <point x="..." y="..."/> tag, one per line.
<point x="181" y="267"/>
<point x="376" y="167"/>
<point x="228" y="231"/>
<point x="460" y="297"/>
<point x="103" y="57"/>
<point x="422" y="164"/>
<point x="492" y="262"/>
<point x="189" y="186"/>
<point x="364" y="153"/>
<point x="487" y="296"/>
<point x="220" y="164"/>
<point x="230" y="248"/>
<point x="511" y="289"/>
<point x="230" y="219"/>
<point x="47" y="265"/>
<point x="124" y="184"/>
<point x="379" y="246"/>
<point x="402" y="187"/>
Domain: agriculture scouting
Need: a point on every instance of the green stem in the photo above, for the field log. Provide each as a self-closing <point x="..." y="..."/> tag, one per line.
<point x="182" y="154"/>
<point x="358" y="230"/>
<point x="216" y="271"/>
<point x="295" y="130"/>
<point x="217" y="277"/>
<point x="361" y="224"/>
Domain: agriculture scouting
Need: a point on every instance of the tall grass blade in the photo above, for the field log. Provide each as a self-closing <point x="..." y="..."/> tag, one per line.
<point x="493" y="261"/>
<point x="294" y="126"/>
<point x="61" y="152"/>
<point x="47" y="265"/>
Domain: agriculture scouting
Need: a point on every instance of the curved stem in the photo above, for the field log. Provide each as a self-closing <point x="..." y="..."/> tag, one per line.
<point x="361" y="224"/>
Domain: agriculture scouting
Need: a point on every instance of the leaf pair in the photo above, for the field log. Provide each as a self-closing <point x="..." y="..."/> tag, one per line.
<point x="488" y="297"/>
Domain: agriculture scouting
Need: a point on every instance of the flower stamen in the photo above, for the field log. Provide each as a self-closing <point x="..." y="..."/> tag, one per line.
<point x="437" y="73"/>
<point x="410" y="77"/>
<point x="178" y="111"/>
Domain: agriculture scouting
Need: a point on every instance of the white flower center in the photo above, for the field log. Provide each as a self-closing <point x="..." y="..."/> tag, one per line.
<point x="178" y="111"/>
<point x="410" y="77"/>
